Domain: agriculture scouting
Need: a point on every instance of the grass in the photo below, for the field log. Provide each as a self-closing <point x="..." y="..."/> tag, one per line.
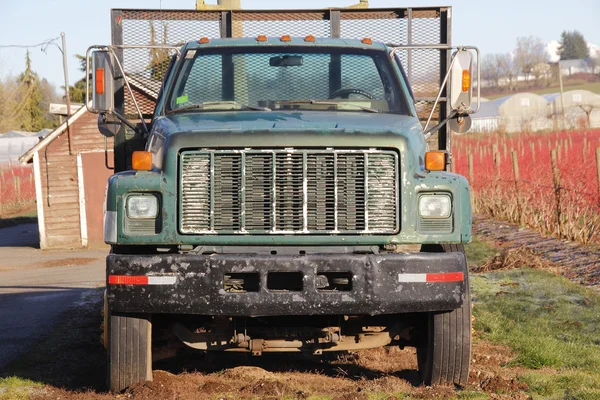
<point x="592" y="87"/>
<point x="14" y="388"/>
<point x="549" y="322"/>
<point x="479" y="251"/>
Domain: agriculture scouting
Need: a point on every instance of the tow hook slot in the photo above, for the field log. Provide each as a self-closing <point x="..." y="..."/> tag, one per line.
<point x="334" y="281"/>
<point x="241" y="282"/>
<point x="285" y="281"/>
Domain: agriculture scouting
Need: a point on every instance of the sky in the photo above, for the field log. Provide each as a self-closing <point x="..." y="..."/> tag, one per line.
<point x="490" y="25"/>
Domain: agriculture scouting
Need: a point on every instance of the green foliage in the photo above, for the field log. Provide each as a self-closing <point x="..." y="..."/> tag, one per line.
<point x="24" y="101"/>
<point x="479" y="251"/>
<point x="32" y="116"/>
<point x="77" y="91"/>
<point x="14" y="388"/>
<point x="573" y="46"/>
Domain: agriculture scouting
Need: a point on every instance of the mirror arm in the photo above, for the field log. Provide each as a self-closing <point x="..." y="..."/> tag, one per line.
<point x="429" y="132"/>
<point x="128" y="123"/>
<point x="132" y="97"/>
<point x="437" y="99"/>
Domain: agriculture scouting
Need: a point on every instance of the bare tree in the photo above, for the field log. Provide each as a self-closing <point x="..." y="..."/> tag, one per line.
<point x="593" y="63"/>
<point x="588" y="109"/>
<point x="509" y="69"/>
<point x="541" y="70"/>
<point x="491" y="70"/>
<point x="530" y="51"/>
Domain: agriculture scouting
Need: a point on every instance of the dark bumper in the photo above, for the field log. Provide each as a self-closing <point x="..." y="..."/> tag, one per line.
<point x="198" y="284"/>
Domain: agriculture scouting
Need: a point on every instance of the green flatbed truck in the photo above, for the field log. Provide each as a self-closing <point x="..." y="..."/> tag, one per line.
<point x="281" y="197"/>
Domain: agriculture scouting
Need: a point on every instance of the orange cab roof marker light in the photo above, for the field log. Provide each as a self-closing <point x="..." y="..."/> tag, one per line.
<point x="367" y="41"/>
<point x="261" y="38"/>
<point x="286" y="38"/>
<point x="309" y="38"/>
<point x="204" y="40"/>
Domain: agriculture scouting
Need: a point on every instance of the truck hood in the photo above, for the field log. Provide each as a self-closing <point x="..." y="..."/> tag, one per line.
<point x="316" y="121"/>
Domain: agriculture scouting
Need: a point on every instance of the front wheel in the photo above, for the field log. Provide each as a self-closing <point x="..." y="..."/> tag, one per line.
<point x="446" y="350"/>
<point x="129" y="350"/>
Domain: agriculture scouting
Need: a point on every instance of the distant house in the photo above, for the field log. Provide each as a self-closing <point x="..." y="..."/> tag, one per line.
<point x="570" y="67"/>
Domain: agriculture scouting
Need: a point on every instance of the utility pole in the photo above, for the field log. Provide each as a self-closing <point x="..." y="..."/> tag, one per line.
<point x="66" y="71"/>
<point x="562" y="101"/>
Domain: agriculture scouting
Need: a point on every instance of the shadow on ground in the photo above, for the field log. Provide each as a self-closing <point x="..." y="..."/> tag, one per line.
<point x="72" y="357"/>
<point x="70" y="354"/>
<point x="19" y="232"/>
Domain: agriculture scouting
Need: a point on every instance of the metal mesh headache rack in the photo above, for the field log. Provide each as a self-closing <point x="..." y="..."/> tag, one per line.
<point x="145" y="68"/>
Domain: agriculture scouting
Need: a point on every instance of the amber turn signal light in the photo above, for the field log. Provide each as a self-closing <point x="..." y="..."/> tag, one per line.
<point x="466" y="80"/>
<point x="435" y="161"/>
<point x="99" y="80"/>
<point x="141" y="160"/>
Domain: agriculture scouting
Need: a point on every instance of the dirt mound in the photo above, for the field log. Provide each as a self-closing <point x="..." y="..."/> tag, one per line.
<point x="246" y="373"/>
<point x="498" y="384"/>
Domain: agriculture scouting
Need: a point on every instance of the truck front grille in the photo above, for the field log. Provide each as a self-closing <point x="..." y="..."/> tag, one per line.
<point x="288" y="192"/>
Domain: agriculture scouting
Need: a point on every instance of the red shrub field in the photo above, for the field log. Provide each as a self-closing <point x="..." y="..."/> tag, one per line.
<point x="564" y="201"/>
<point x="17" y="188"/>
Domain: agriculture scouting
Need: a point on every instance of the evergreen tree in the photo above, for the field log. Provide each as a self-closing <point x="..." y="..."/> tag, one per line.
<point x="573" y="46"/>
<point x="77" y="91"/>
<point x="32" y="116"/>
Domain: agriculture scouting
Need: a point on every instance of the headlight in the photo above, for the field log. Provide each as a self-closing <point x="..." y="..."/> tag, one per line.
<point x="142" y="206"/>
<point x="435" y="206"/>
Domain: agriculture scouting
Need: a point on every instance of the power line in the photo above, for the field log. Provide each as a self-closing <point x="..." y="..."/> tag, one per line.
<point x="43" y="45"/>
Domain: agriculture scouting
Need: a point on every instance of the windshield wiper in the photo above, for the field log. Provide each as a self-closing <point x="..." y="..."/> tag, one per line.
<point x="208" y="104"/>
<point x="327" y="103"/>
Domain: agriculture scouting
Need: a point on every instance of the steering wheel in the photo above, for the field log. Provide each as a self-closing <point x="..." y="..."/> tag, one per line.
<point x="345" y="93"/>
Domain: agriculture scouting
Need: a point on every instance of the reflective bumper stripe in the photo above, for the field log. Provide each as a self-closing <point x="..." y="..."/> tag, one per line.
<point x="438" y="277"/>
<point x="141" y="280"/>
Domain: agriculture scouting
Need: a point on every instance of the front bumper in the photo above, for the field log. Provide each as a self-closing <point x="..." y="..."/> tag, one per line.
<point x="380" y="284"/>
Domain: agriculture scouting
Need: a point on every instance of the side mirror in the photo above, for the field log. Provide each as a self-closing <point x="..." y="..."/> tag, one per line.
<point x="461" y="90"/>
<point x="108" y="124"/>
<point x="103" y="95"/>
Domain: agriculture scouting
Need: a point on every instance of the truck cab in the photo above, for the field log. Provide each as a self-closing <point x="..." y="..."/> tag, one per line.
<point x="285" y="201"/>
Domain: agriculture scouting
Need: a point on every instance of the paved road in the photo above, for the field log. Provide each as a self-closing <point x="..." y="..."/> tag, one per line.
<point x="37" y="286"/>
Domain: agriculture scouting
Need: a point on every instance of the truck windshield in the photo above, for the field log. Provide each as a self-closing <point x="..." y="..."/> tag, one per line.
<point x="286" y="78"/>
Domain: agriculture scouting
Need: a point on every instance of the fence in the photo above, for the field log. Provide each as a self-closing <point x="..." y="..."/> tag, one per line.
<point x="549" y="181"/>
<point x="17" y="188"/>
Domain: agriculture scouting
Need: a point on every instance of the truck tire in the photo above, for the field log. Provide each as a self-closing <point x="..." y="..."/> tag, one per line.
<point x="444" y="356"/>
<point x="129" y="350"/>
